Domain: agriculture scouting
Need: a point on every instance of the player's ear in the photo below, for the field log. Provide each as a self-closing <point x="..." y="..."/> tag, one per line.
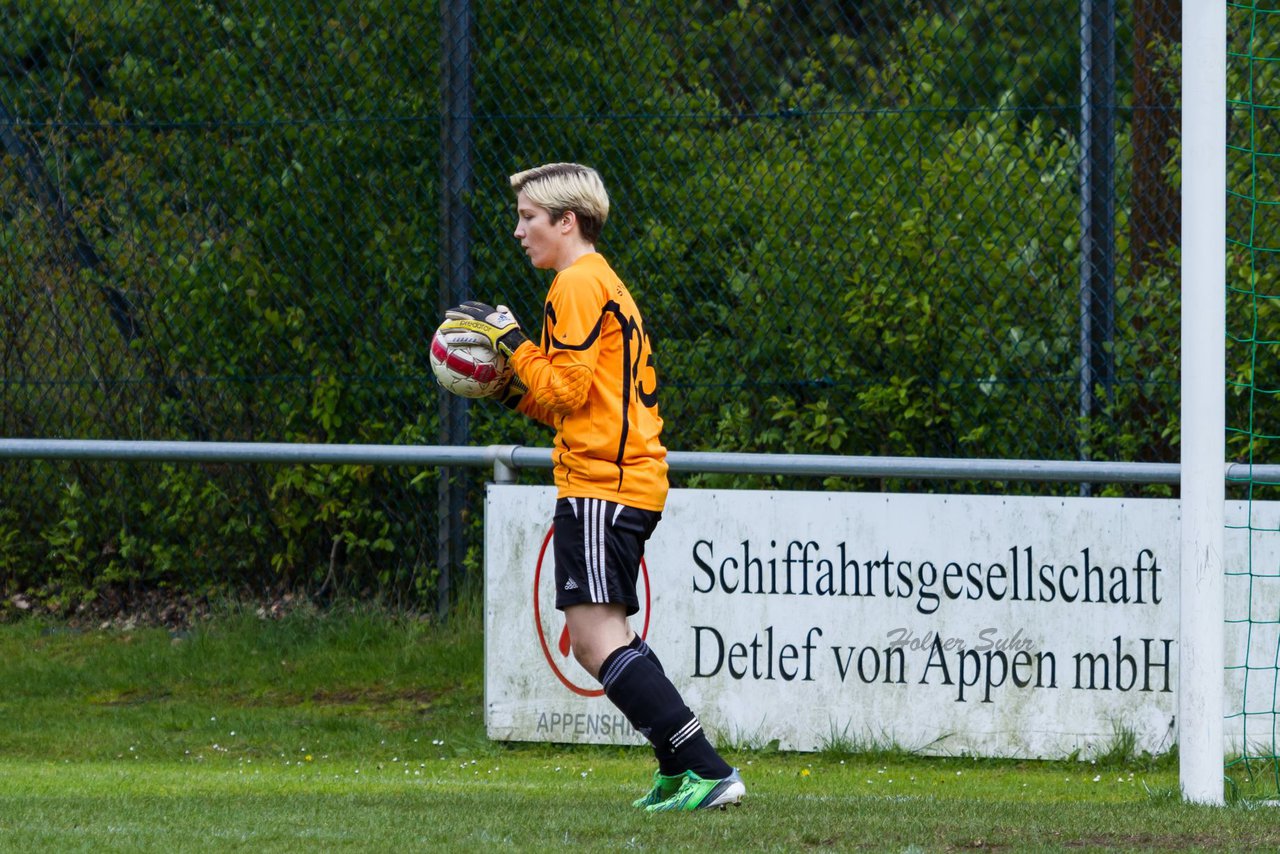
<point x="568" y="220"/>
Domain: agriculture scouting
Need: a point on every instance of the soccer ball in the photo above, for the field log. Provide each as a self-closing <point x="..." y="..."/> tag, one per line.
<point x="466" y="365"/>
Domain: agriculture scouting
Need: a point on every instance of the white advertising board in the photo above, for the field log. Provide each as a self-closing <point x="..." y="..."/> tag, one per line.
<point x="993" y="626"/>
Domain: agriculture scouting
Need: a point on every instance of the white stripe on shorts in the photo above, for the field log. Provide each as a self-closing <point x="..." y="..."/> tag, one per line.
<point x="593" y="532"/>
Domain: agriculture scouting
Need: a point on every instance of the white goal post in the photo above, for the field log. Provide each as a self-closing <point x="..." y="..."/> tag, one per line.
<point x="1201" y="660"/>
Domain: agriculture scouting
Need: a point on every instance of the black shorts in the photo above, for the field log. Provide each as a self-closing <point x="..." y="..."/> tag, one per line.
<point x="598" y="546"/>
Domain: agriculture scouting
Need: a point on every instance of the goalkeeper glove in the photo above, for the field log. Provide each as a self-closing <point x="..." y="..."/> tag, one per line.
<point x="498" y="324"/>
<point x="511" y="395"/>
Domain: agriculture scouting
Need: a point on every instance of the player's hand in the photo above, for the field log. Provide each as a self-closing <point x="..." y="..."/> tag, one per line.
<point x="511" y="395"/>
<point x="498" y="324"/>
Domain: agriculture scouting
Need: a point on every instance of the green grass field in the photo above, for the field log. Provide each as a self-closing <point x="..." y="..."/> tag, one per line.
<point x="359" y="730"/>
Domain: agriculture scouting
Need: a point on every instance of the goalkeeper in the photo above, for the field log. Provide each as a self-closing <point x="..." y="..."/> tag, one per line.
<point x="592" y="378"/>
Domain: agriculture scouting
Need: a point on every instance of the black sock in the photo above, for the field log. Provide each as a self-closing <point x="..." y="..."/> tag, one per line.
<point x="642" y="692"/>
<point x="666" y="756"/>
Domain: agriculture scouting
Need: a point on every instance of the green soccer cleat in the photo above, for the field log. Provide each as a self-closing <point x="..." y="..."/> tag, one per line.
<point x="696" y="793"/>
<point x="663" y="788"/>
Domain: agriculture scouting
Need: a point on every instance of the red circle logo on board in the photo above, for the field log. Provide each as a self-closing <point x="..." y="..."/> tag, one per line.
<point x="553" y="633"/>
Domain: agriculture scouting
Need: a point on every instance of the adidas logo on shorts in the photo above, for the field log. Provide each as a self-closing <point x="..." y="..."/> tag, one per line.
<point x="571" y="585"/>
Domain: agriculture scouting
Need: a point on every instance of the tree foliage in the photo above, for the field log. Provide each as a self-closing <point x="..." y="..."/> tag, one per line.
<point x="852" y="226"/>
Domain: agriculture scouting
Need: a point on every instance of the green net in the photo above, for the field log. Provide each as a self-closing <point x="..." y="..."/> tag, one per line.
<point x="1253" y="411"/>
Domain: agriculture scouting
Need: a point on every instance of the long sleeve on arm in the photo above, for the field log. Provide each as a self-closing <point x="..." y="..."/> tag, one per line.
<point x="553" y="390"/>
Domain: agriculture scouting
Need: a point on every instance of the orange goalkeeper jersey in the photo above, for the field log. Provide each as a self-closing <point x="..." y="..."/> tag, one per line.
<point x="593" y="380"/>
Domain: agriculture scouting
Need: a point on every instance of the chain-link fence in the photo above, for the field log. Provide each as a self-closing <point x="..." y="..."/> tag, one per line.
<point x="937" y="228"/>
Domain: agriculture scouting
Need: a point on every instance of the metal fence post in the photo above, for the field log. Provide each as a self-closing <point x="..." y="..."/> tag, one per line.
<point x="455" y="266"/>
<point x="1097" y="206"/>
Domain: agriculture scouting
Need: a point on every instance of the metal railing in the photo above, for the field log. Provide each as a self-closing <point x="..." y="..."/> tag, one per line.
<point x="507" y="460"/>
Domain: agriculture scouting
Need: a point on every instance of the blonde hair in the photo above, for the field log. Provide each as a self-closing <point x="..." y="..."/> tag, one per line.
<point x="561" y="187"/>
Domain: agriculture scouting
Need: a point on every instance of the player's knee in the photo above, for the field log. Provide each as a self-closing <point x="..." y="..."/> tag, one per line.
<point x="589" y="658"/>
